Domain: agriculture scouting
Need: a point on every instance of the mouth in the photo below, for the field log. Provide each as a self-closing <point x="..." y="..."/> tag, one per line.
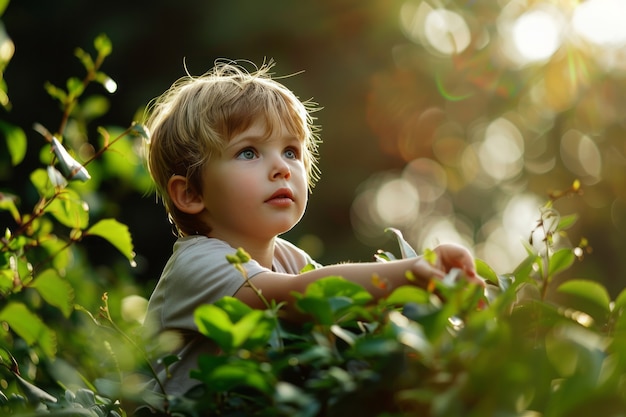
<point x="282" y="194"/>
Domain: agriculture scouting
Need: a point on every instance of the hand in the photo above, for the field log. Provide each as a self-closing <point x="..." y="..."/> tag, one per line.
<point x="450" y="255"/>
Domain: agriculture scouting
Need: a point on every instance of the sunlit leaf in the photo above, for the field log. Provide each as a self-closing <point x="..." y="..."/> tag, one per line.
<point x="29" y="327"/>
<point x="335" y="286"/>
<point x="55" y="290"/>
<point x="116" y="233"/>
<point x="620" y="301"/>
<point x="484" y="270"/>
<point x="7" y="203"/>
<point x="55" y="92"/>
<point x="254" y="327"/>
<point x="406" y="250"/>
<point x="408" y="294"/>
<point x="75" y="86"/>
<point x="15" y="140"/>
<point x="69" y="209"/>
<point x="215" y="324"/>
<point x="103" y="45"/>
<point x="3" y="6"/>
<point x="588" y="296"/>
<point x="561" y="260"/>
<point x="94" y="106"/>
<point x="525" y="268"/>
<point x="40" y="180"/>
<point x="567" y="221"/>
<point x="235" y="308"/>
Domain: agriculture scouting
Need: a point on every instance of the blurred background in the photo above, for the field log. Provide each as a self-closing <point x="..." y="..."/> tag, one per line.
<point x="451" y="121"/>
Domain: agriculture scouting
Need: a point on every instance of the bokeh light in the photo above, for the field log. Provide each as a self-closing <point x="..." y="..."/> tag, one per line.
<point x="490" y="107"/>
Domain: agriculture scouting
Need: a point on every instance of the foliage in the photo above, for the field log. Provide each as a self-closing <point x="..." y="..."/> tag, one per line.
<point x="446" y="350"/>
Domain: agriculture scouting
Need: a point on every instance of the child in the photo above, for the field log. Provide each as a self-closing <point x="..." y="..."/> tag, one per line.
<point x="233" y="155"/>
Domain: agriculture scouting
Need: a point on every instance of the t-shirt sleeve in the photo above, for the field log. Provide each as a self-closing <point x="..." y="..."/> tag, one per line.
<point x="198" y="273"/>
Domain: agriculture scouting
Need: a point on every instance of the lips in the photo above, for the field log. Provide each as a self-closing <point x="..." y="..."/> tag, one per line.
<point x="282" y="195"/>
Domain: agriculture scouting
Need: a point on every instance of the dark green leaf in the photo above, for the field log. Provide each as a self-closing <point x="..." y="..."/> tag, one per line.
<point x="318" y="308"/>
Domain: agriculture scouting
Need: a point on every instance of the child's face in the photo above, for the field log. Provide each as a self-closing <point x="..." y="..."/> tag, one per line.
<point x="256" y="188"/>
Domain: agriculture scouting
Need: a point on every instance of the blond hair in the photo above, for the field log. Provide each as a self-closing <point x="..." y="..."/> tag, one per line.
<point x="197" y="116"/>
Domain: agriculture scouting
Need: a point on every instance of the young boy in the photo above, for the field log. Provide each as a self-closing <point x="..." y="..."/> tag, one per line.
<point x="233" y="155"/>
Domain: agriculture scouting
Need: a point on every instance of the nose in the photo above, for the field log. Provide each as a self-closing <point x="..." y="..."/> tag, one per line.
<point x="280" y="169"/>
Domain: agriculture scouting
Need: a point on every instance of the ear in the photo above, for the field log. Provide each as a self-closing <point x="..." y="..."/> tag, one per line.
<point x="184" y="197"/>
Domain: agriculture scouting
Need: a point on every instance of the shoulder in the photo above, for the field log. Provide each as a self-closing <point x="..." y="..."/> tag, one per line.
<point x="289" y="258"/>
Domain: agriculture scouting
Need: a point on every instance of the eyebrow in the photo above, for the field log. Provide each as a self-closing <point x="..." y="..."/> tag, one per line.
<point x="239" y="140"/>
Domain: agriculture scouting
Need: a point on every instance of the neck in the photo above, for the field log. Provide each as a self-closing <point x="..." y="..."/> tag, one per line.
<point x="260" y="251"/>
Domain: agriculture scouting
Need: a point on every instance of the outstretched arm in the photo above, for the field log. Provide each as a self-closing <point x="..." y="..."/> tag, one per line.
<point x="279" y="287"/>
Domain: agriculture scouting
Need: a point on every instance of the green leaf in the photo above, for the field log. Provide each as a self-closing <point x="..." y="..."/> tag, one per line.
<point x="253" y="327"/>
<point x="620" y="301"/>
<point x="3" y="6"/>
<point x="560" y="261"/>
<point x="220" y="375"/>
<point x="55" y="92"/>
<point x="336" y="286"/>
<point x="69" y="209"/>
<point x="318" y="308"/>
<point x="588" y="296"/>
<point x="406" y="249"/>
<point x="484" y="270"/>
<point x="85" y="58"/>
<point x="75" y="86"/>
<point x="525" y="268"/>
<point x="567" y="221"/>
<point x="7" y="202"/>
<point x="55" y="290"/>
<point x="116" y="233"/>
<point x="103" y="45"/>
<point x="408" y="294"/>
<point x="16" y="141"/>
<point x="94" y="106"/>
<point x="214" y="323"/>
<point x="40" y="180"/>
<point x="235" y="308"/>
<point x="29" y="327"/>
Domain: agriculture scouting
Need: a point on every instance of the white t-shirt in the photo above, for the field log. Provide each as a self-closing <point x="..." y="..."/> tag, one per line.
<point x="198" y="273"/>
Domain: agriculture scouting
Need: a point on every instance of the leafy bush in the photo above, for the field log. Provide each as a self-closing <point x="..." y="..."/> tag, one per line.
<point x="449" y="349"/>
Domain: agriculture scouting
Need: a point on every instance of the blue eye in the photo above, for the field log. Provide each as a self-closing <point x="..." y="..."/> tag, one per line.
<point x="247" y="153"/>
<point x="291" y="153"/>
